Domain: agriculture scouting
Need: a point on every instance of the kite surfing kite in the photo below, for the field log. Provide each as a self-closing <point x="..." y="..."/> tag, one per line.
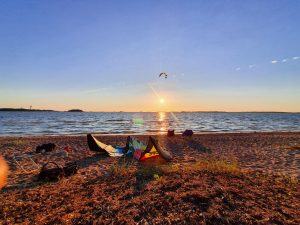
<point x="161" y="74"/>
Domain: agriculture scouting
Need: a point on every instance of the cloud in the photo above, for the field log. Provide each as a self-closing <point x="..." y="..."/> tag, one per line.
<point x="251" y="66"/>
<point x="274" y="61"/>
<point x="284" y="60"/>
<point x="238" y="69"/>
<point x="296" y="57"/>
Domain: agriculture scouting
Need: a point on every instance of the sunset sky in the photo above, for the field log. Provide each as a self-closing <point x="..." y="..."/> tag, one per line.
<point x="107" y="55"/>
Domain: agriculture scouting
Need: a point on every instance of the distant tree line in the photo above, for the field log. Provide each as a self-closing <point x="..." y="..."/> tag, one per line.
<point x="24" y="110"/>
<point x="36" y="110"/>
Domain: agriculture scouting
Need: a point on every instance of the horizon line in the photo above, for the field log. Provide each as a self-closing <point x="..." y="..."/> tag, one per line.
<point x="181" y="111"/>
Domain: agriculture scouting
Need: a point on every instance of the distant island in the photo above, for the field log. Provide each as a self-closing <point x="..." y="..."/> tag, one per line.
<point x="26" y="110"/>
<point x="35" y="110"/>
<point x="75" y="110"/>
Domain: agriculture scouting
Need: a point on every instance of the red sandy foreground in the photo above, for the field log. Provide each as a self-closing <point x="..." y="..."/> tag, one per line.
<point x="246" y="178"/>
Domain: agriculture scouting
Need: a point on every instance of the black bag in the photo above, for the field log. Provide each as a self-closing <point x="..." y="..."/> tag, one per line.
<point x="56" y="173"/>
<point x="171" y="133"/>
<point x="52" y="174"/>
<point x="45" y="148"/>
<point x="70" y="169"/>
<point x="188" y="133"/>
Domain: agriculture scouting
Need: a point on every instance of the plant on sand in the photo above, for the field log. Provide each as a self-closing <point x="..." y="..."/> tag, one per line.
<point x="120" y="169"/>
<point x="294" y="147"/>
<point x="16" y="142"/>
<point x="213" y="165"/>
<point x="149" y="172"/>
<point x="157" y="177"/>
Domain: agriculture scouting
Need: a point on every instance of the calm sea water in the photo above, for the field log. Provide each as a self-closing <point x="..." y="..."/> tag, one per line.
<point x="53" y="123"/>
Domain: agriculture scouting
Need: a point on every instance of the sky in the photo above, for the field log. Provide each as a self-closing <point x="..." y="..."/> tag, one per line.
<point x="107" y="55"/>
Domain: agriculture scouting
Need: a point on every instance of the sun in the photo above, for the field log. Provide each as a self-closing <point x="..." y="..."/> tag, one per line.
<point x="162" y="101"/>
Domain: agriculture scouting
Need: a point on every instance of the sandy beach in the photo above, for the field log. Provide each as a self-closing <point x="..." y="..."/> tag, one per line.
<point x="217" y="178"/>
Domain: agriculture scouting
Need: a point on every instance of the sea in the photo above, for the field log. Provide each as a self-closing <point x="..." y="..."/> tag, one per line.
<point x="76" y="123"/>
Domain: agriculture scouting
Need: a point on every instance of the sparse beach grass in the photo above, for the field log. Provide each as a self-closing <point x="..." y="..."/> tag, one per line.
<point x="294" y="147"/>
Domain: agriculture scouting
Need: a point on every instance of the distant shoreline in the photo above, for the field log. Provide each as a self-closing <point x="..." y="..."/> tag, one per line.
<point x="78" y="110"/>
<point x="36" y="110"/>
<point x="25" y="110"/>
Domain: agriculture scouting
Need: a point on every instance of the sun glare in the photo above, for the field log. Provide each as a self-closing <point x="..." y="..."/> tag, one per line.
<point x="162" y="101"/>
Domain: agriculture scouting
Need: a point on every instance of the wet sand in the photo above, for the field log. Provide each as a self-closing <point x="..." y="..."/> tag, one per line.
<point x="264" y="187"/>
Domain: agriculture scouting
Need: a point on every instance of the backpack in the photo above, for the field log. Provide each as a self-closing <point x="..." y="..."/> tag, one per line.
<point x="56" y="173"/>
<point x="188" y="133"/>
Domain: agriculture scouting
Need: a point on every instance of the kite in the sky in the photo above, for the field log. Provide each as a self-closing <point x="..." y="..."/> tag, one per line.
<point x="166" y="76"/>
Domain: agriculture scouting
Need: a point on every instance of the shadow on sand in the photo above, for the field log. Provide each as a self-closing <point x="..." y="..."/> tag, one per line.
<point x="195" y="145"/>
<point x="148" y="171"/>
<point x="90" y="160"/>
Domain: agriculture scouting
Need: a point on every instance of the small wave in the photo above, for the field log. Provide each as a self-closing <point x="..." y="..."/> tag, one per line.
<point x="53" y="127"/>
<point x="115" y="120"/>
<point x="86" y="122"/>
<point x="47" y="132"/>
<point x="115" y="123"/>
<point x="37" y="122"/>
<point x="67" y="121"/>
<point x="155" y="131"/>
<point x="129" y="132"/>
<point x="16" y="132"/>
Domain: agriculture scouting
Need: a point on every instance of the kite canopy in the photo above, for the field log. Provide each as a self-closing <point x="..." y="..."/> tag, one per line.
<point x="140" y="150"/>
<point x="97" y="146"/>
<point x="163" y="74"/>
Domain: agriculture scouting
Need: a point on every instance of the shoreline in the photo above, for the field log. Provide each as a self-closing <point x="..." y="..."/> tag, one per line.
<point x="147" y="134"/>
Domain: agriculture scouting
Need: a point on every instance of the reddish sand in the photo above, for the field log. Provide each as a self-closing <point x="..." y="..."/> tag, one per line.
<point x="264" y="189"/>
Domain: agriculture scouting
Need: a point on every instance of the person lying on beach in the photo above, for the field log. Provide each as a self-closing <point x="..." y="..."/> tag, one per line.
<point x="140" y="150"/>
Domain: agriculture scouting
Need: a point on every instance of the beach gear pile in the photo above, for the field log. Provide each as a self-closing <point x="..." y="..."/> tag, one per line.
<point x="51" y="171"/>
<point x="57" y="172"/>
<point x="138" y="149"/>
